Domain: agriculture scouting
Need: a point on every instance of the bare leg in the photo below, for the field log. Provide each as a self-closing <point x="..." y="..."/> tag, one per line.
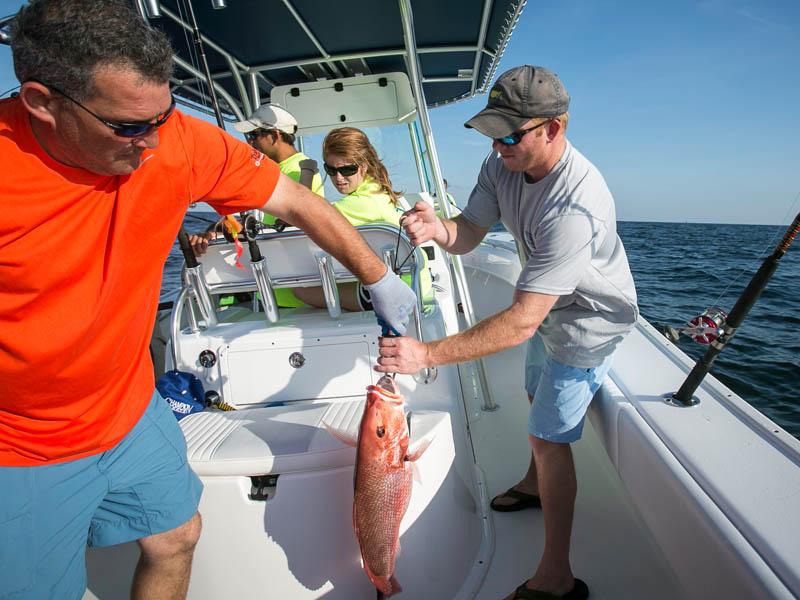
<point x="558" y="488"/>
<point x="529" y="483"/>
<point x="166" y="562"/>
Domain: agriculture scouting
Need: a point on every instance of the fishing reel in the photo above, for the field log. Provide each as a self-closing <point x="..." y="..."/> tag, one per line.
<point x="246" y="228"/>
<point x="252" y="227"/>
<point x="227" y="227"/>
<point x="704" y="329"/>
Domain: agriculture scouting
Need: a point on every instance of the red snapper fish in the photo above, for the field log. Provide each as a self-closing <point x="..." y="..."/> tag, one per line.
<point x="382" y="481"/>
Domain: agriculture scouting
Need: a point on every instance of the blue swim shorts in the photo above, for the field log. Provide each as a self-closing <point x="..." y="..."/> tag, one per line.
<point x="561" y="394"/>
<point x="49" y="513"/>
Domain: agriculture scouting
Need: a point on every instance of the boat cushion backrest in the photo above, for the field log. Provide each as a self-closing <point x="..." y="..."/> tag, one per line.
<point x="292" y="255"/>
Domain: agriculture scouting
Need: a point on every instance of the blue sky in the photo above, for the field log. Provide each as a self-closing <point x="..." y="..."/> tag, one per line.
<point x="688" y="108"/>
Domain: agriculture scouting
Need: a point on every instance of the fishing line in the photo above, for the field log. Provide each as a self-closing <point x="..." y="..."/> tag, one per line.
<point x="395" y="267"/>
<point x="770" y="243"/>
<point x="9" y="90"/>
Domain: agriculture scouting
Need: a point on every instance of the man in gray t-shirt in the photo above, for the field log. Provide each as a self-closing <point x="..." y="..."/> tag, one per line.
<point x="575" y="292"/>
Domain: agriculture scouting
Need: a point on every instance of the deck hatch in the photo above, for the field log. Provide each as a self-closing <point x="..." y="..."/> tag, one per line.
<point x="255" y="373"/>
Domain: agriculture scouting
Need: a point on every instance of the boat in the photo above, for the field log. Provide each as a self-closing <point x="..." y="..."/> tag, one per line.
<point x="675" y="500"/>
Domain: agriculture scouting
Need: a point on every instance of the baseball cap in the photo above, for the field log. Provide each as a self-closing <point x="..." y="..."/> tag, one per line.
<point x="519" y="95"/>
<point x="182" y="391"/>
<point x="268" y="116"/>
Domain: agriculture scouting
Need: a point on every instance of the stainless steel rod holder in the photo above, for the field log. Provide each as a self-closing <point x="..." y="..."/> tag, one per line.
<point x="197" y="281"/>
<point x="328" y="281"/>
<point x="261" y="275"/>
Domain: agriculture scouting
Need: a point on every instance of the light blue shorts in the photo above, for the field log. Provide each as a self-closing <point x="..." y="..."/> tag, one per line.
<point x="561" y="394"/>
<point x="48" y="513"/>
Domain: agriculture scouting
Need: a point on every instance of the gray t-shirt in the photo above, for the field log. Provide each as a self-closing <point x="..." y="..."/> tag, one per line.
<point x="566" y="230"/>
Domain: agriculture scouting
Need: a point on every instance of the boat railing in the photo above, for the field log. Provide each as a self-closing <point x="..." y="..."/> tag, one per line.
<point x="288" y="259"/>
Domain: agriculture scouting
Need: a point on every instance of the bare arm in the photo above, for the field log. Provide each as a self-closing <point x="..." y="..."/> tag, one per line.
<point x="295" y="204"/>
<point x="494" y="334"/>
<point x="457" y="236"/>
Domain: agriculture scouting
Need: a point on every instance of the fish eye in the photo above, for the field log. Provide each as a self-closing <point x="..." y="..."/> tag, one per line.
<point x="380" y="431"/>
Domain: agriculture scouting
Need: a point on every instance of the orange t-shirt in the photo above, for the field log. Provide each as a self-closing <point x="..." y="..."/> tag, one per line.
<point x="81" y="258"/>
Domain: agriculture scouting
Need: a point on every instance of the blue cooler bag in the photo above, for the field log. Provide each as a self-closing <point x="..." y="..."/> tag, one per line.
<point x="183" y="391"/>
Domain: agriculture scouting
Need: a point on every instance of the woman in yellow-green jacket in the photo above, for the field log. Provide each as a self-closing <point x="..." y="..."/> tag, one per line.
<point x="355" y="170"/>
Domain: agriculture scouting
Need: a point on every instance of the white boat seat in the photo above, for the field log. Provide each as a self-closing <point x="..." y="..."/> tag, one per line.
<point x="283" y="439"/>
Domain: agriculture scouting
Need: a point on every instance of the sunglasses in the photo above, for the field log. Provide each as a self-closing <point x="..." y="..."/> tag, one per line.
<point x="126" y="130"/>
<point x="252" y="136"/>
<point x="345" y="170"/>
<point x="512" y="139"/>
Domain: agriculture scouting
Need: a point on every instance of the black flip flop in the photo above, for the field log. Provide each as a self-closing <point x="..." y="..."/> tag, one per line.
<point x="523" y="501"/>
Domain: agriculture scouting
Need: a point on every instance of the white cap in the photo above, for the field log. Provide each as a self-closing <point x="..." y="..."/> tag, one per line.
<point x="268" y="116"/>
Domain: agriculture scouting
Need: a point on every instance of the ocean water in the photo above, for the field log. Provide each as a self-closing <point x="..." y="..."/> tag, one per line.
<point x="680" y="269"/>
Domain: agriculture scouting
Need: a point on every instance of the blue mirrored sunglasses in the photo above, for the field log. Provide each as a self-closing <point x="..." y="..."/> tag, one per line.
<point x="512" y="139"/>
<point x="126" y="130"/>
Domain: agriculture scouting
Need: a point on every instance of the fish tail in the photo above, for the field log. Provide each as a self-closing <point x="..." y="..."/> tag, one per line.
<point x="386" y="587"/>
<point x="395" y="587"/>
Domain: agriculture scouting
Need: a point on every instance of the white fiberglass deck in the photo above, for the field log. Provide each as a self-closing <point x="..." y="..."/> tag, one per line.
<point x="611" y="548"/>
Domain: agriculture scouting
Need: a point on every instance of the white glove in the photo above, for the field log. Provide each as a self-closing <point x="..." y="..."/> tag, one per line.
<point x="393" y="301"/>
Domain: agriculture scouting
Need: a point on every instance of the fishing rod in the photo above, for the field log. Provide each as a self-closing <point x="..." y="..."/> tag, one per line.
<point x="153" y="10"/>
<point x="194" y="270"/>
<point x="716" y="328"/>
<point x="260" y="272"/>
<point x="198" y="42"/>
<point x="197" y="280"/>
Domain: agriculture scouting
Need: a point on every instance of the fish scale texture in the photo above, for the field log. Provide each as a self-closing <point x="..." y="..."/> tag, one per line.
<point x="381" y="500"/>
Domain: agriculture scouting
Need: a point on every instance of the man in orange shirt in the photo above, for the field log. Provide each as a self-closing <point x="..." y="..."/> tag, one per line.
<point x="99" y="169"/>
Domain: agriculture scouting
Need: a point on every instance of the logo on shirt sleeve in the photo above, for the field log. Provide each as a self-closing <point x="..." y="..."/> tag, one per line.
<point x="256" y="157"/>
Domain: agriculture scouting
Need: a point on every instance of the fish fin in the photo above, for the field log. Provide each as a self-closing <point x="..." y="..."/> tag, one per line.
<point x="343" y="435"/>
<point x="421" y="438"/>
<point x="415" y="473"/>
<point x="418" y="448"/>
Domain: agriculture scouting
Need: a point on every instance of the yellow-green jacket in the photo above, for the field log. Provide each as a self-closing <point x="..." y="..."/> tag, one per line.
<point x="291" y="167"/>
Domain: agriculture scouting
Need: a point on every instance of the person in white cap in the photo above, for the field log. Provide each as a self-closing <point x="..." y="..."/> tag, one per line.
<point x="575" y="292"/>
<point x="271" y="129"/>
